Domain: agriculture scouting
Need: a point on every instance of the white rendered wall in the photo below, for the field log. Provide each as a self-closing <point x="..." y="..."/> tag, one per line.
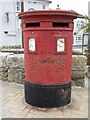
<point x="11" y="38"/>
<point x="37" y="6"/>
<point x="0" y="23"/>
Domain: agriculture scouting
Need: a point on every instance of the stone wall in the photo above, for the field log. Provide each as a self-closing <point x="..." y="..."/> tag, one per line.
<point x="12" y="67"/>
<point x="79" y="63"/>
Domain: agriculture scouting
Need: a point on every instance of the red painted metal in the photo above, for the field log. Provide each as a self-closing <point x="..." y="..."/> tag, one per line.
<point x="45" y="65"/>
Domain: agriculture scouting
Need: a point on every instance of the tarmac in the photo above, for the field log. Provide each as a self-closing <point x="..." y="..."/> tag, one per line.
<point x="13" y="104"/>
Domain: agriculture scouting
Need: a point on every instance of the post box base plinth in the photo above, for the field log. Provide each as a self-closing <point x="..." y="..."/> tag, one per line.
<point x="47" y="96"/>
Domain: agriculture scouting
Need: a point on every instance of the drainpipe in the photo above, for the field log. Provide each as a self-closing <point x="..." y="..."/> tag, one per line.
<point x="88" y="59"/>
<point x="22" y="6"/>
<point x="22" y="10"/>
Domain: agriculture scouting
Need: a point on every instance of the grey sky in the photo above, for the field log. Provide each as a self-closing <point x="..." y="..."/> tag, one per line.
<point x="80" y="6"/>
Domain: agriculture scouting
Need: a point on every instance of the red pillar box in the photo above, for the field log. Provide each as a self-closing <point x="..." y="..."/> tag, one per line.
<point x="48" y="49"/>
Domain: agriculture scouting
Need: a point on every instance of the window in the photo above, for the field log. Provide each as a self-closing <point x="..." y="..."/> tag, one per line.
<point x="60" y="45"/>
<point x="43" y="7"/>
<point x="82" y="22"/>
<point x="78" y="38"/>
<point x="78" y="25"/>
<point x="18" y="6"/>
<point x="7" y="17"/>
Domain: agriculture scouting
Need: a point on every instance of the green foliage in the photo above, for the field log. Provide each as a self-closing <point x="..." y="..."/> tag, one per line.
<point x="86" y="27"/>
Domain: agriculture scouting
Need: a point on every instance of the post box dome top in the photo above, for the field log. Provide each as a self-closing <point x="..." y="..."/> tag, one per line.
<point x="49" y="13"/>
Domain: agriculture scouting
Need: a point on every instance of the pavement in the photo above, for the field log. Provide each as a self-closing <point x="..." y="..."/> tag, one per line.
<point x="14" y="106"/>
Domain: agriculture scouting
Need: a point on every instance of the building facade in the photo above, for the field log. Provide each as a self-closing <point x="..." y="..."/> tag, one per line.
<point x="36" y="5"/>
<point x="80" y="39"/>
<point x="89" y="8"/>
<point x="10" y="28"/>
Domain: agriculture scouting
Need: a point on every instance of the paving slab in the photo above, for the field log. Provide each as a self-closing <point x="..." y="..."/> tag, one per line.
<point x="14" y="106"/>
